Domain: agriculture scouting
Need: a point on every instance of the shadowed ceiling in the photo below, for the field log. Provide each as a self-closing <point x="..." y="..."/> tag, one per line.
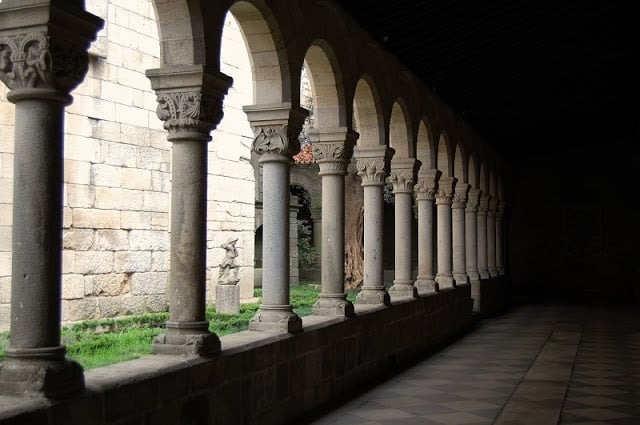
<point x="557" y="75"/>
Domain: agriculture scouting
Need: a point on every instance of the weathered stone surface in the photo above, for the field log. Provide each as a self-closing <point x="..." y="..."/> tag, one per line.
<point x="228" y="299"/>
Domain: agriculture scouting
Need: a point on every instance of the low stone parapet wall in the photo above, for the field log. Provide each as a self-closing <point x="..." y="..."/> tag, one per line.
<point x="259" y="378"/>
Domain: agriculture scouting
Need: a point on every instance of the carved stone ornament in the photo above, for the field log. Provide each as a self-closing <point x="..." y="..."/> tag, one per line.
<point x="331" y="157"/>
<point x="484" y="204"/>
<point x="493" y="205"/>
<point x="271" y="140"/>
<point x="402" y="181"/>
<point x="459" y="200"/>
<point x="445" y="191"/>
<point x="371" y="171"/>
<point x="30" y="61"/>
<point x="188" y="111"/>
<point x="425" y="189"/>
<point x="472" y="201"/>
<point x="500" y="211"/>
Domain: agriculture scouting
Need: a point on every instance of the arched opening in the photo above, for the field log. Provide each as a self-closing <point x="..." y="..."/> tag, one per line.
<point x="424" y="147"/>
<point x="443" y="161"/>
<point x="459" y="169"/>
<point x="367" y="114"/>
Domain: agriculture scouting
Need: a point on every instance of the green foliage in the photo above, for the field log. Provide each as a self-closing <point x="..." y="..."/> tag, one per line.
<point x="96" y="343"/>
<point x="307" y="254"/>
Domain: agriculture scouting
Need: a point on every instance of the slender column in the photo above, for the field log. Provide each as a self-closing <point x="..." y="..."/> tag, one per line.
<point x="190" y="105"/>
<point x="446" y="186"/>
<point x="332" y="151"/>
<point x="482" y="236"/>
<point x="459" y="255"/>
<point x="500" y="238"/>
<point x="426" y="190"/>
<point x="471" y="246"/>
<point x="276" y="131"/>
<point x="372" y="165"/>
<point x="41" y="63"/>
<point x="402" y="177"/>
<point x="316" y="215"/>
<point x="491" y="237"/>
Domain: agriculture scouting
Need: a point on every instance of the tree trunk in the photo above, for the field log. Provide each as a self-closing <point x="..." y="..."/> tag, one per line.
<point x="354" y="228"/>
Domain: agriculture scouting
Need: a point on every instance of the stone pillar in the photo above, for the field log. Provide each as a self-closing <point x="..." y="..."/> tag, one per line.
<point x="458" y="206"/>
<point x="190" y="105"/>
<point x="444" y="276"/>
<point x="402" y="177"/>
<point x="500" y="238"/>
<point x="372" y="165"/>
<point x="41" y="62"/>
<point x="316" y="216"/>
<point x="471" y="246"/>
<point x="294" y="262"/>
<point x="276" y="129"/>
<point x="482" y="236"/>
<point x="426" y="190"/>
<point x="491" y="237"/>
<point x="332" y="151"/>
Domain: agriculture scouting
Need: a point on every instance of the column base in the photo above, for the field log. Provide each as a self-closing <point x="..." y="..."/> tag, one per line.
<point x="276" y="318"/>
<point x="40" y="372"/>
<point x="426" y="285"/>
<point x="373" y="295"/>
<point x="445" y="282"/>
<point x="403" y="289"/>
<point x="333" y="305"/>
<point x="461" y="279"/>
<point x="187" y="338"/>
<point x="493" y="273"/>
<point x="228" y="299"/>
<point x="484" y="274"/>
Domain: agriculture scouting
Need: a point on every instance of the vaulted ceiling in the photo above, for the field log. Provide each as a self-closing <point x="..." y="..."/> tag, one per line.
<point x="527" y="75"/>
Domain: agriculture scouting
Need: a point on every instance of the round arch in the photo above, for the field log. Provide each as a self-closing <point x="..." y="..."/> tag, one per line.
<point x="367" y="113"/>
<point x="400" y="133"/>
<point x="424" y="146"/>
<point x="443" y="157"/>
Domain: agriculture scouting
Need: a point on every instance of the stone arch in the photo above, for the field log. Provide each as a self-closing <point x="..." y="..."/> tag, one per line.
<point x="272" y="82"/>
<point x="460" y="170"/>
<point x="484" y="182"/>
<point x="444" y="161"/>
<point x="424" y="147"/>
<point x="400" y="132"/>
<point x="368" y="120"/>
<point x="182" y="35"/>
<point x="473" y="176"/>
<point x="326" y="85"/>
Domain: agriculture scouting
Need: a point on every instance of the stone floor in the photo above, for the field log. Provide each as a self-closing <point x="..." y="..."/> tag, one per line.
<point x="536" y="364"/>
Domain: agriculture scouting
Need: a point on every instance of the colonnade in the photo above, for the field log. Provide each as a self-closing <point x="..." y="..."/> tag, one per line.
<point x="458" y="241"/>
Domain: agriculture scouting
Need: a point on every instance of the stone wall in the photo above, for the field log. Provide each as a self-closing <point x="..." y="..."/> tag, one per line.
<point x="117" y="175"/>
<point x="259" y="378"/>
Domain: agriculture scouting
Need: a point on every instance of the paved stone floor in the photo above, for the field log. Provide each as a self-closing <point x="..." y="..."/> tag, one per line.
<point x="535" y="364"/>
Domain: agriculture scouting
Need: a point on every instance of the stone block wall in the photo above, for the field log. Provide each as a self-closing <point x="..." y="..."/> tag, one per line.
<point x="117" y="175"/>
<point x="259" y="378"/>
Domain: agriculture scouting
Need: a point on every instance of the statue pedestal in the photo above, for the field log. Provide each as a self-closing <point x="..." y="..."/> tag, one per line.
<point x="228" y="299"/>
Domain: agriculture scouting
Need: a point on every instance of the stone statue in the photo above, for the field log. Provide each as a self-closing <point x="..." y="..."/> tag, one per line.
<point x="228" y="273"/>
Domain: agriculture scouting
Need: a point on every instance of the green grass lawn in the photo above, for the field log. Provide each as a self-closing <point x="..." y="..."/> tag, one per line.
<point x="96" y="343"/>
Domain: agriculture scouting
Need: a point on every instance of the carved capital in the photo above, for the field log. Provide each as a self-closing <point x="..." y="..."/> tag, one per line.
<point x="402" y="175"/>
<point x="483" y="206"/>
<point x="493" y="206"/>
<point x="460" y="197"/>
<point x="191" y="111"/>
<point x="38" y="50"/>
<point x="446" y="187"/>
<point x="427" y="186"/>
<point x="500" y="211"/>
<point x="332" y="149"/>
<point x="372" y="164"/>
<point x="189" y="100"/>
<point x="276" y="128"/>
<point x="473" y="200"/>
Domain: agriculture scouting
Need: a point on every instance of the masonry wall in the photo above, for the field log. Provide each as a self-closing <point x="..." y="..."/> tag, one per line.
<point x="117" y="175"/>
<point x="260" y="378"/>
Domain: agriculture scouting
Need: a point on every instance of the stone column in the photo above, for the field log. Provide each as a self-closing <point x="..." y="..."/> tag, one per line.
<point x="332" y="151"/>
<point x="446" y="186"/>
<point x="471" y="246"/>
<point x="372" y="165"/>
<point x="402" y="177"/>
<point x="426" y="190"/>
<point x="276" y="129"/>
<point x="316" y="216"/>
<point x="294" y="262"/>
<point x="500" y="238"/>
<point x="482" y="236"/>
<point x="190" y="105"/>
<point x="491" y="237"/>
<point x="41" y="62"/>
<point x="458" y="206"/>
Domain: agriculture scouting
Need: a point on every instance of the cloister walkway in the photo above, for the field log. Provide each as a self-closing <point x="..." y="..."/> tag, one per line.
<point x="537" y="364"/>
